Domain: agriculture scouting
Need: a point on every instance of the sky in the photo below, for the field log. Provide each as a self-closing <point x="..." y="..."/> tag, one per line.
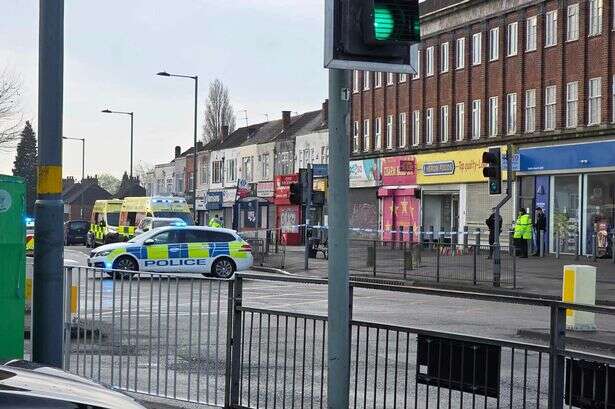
<point x="269" y="53"/>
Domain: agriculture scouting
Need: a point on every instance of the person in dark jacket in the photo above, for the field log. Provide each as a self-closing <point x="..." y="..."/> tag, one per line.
<point x="490" y="222"/>
<point x="540" y="225"/>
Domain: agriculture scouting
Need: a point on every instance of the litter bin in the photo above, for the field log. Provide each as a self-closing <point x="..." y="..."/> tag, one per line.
<point x="12" y="266"/>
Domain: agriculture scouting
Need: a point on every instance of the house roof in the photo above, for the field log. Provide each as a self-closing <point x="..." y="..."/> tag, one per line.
<point x="73" y="193"/>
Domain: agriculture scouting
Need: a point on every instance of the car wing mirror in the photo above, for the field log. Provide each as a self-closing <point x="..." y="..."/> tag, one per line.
<point x="149" y="242"/>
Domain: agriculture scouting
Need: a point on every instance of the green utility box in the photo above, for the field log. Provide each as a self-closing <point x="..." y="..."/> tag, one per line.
<point x="12" y="266"/>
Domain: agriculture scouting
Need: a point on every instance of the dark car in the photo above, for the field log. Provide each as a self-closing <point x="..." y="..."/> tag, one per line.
<point x="76" y="232"/>
<point x="27" y="385"/>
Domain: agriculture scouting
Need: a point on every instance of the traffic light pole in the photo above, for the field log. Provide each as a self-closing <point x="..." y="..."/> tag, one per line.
<point x="48" y="288"/>
<point x="308" y="206"/>
<point x="338" y="379"/>
<point x="497" y="259"/>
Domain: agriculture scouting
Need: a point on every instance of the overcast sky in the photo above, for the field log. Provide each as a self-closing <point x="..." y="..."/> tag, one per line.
<point x="268" y="53"/>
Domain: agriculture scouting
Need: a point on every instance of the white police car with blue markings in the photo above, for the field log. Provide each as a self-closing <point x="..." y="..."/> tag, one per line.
<point x="177" y="249"/>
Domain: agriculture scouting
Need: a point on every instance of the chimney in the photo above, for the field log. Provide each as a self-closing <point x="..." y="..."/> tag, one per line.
<point x="285" y="120"/>
<point x="325" y="112"/>
<point x="224" y="134"/>
<point x="178" y="151"/>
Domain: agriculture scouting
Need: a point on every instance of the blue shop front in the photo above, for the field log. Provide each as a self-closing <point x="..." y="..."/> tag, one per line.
<point x="575" y="186"/>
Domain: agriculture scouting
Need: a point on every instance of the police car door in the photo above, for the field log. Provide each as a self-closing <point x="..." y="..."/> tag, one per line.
<point x="163" y="252"/>
<point x="198" y="251"/>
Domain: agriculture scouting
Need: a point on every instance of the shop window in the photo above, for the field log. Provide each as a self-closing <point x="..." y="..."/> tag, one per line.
<point x="599" y="212"/>
<point x="565" y="215"/>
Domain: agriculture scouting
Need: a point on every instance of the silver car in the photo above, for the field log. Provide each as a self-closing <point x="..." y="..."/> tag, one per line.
<point x="27" y="385"/>
<point x="150" y="223"/>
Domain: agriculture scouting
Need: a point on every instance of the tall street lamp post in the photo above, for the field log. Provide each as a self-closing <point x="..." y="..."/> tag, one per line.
<point x="196" y="99"/>
<point x="82" y="167"/>
<point x="132" y="116"/>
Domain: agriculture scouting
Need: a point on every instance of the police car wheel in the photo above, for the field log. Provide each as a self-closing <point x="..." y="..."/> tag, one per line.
<point x="223" y="268"/>
<point x="125" y="263"/>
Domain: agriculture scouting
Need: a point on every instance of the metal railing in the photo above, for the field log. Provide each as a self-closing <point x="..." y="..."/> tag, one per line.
<point x="212" y="341"/>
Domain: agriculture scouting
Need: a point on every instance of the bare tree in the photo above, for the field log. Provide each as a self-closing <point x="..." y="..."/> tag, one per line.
<point x="10" y="119"/>
<point x="218" y="112"/>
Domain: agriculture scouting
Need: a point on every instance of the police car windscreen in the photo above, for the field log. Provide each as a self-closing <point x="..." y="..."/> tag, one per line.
<point x="113" y="219"/>
<point x="186" y="217"/>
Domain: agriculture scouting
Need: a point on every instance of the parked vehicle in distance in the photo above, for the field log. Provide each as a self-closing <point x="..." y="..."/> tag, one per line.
<point x="135" y="209"/>
<point x="76" y="232"/>
<point x="149" y="223"/>
<point x="25" y="384"/>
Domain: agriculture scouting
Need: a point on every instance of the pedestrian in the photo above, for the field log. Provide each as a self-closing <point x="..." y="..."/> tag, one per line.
<point x="523" y="232"/>
<point x="215" y="222"/>
<point x="540" y="225"/>
<point x="490" y="222"/>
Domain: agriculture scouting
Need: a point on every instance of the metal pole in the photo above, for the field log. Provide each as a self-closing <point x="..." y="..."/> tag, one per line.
<point x="48" y="309"/>
<point x="132" y="116"/>
<point x="497" y="260"/>
<point x="557" y="365"/>
<point x="82" y="171"/>
<point x="308" y="205"/>
<point x="338" y="380"/>
<point x="196" y="108"/>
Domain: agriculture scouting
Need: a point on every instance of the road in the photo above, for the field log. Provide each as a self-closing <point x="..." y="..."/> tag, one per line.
<point x="166" y="335"/>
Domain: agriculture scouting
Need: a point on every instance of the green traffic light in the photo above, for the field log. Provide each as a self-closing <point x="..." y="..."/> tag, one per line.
<point x="384" y="23"/>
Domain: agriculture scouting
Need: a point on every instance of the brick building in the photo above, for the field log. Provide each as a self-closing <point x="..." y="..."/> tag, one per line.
<point x="537" y="74"/>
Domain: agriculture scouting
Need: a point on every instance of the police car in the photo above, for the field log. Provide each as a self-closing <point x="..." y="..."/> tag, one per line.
<point x="175" y="249"/>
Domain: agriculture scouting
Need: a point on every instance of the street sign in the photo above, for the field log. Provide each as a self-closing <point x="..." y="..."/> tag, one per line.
<point x="516" y="162"/>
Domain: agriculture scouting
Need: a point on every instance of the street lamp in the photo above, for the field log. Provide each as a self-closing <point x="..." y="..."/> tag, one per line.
<point x="82" y="166"/>
<point x="196" y="99"/>
<point x="132" y="115"/>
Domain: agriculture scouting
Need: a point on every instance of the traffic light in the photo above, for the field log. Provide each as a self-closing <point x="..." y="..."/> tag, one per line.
<point x="374" y="35"/>
<point x="295" y="194"/>
<point x="493" y="170"/>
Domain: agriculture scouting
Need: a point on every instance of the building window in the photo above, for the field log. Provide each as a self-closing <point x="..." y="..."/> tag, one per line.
<point x="365" y="80"/>
<point x="572" y="98"/>
<point x="429" y="126"/>
<point x="476" y="119"/>
<point x="429" y="61"/>
<point x="550" y="95"/>
<point x="493" y="116"/>
<point x="355" y="81"/>
<point x="403" y="135"/>
<point x="324" y="154"/>
<point x="247" y="169"/>
<point x="511" y="114"/>
<point x="265" y="166"/>
<point x="216" y="172"/>
<point x="460" y="121"/>
<point x="530" y="33"/>
<point x="595" y="97"/>
<point x="355" y="136"/>
<point x="416" y="129"/>
<point x="444" y="57"/>
<point x="390" y="132"/>
<point x="418" y="66"/>
<point x="476" y="48"/>
<point x="512" y="39"/>
<point x="231" y="170"/>
<point x="378" y="133"/>
<point x="390" y="78"/>
<point x="444" y="123"/>
<point x="494" y="43"/>
<point x="366" y="144"/>
<point x="595" y="17"/>
<point x="551" y="28"/>
<point x="403" y="77"/>
<point x="530" y="110"/>
<point x="378" y="80"/>
<point x="460" y="53"/>
<point x="572" y="23"/>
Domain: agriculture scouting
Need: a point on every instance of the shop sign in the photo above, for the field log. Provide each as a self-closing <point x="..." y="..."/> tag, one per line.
<point x="229" y="196"/>
<point x="282" y="187"/>
<point x="364" y="173"/>
<point x="439" y="168"/>
<point x="399" y="170"/>
<point x="567" y="157"/>
<point x="320" y="170"/>
<point x="320" y="185"/>
<point x="213" y="200"/>
<point x="264" y="189"/>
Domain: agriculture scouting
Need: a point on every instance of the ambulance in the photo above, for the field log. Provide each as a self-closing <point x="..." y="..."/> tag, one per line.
<point x="135" y="209"/>
<point x="104" y="222"/>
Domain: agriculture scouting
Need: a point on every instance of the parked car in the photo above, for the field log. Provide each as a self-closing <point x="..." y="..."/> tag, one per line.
<point x="24" y="384"/>
<point x="149" y="223"/>
<point x="76" y="231"/>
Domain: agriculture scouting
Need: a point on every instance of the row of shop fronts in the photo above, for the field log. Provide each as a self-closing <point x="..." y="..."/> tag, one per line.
<point x="573" y="183"/>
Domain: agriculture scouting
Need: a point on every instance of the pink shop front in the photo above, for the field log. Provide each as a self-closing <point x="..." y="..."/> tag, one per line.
<point x="399" y="205"/>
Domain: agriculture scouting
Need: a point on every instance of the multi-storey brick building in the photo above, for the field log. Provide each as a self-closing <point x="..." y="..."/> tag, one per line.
<point x="538" y="74"/>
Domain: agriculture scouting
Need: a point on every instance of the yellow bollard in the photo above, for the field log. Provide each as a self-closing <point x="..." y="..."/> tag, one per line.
<point x="579" y="287"/>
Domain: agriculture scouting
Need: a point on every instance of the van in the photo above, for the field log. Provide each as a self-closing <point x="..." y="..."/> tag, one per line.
<point x="135" y="209"/>
<point x="104" y="222"/>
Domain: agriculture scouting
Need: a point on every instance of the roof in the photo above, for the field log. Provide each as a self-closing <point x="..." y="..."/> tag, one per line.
<point x="430" y="6"/>
<point x="73" y="192"/>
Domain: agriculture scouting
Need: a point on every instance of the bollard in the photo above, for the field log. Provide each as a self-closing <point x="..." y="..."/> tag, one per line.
<point x="410" y="234"/>
<point x="375" y="249"/>
<point x="437" y="263"/>
<point x="421" y="235"/>
<point x="474" y="257"/>
<point x="579" y="287"/>
<point x="511" y="242"/>
<point x="541" y="243"/>
<point x="477" y="240"/>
